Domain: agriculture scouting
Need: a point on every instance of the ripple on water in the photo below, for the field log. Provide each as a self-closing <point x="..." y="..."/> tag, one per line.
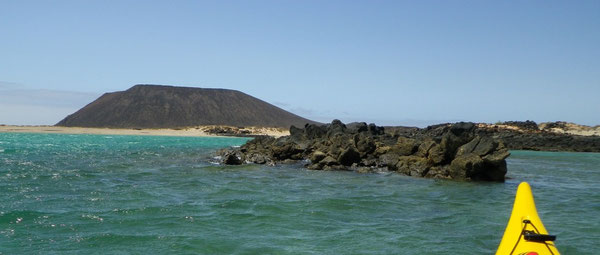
<point x="90" y="194"/>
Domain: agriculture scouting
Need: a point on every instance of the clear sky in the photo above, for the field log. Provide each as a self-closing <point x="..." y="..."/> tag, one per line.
<point x="388" y="62"/>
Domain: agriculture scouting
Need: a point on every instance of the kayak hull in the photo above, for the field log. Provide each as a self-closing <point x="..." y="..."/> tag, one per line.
<point x="525" y="233"/>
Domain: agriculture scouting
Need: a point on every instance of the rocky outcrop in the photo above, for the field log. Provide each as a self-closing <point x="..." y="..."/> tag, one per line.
<point x="524" y="125"/>
<point x="450" y="151"/>
<point x="570" y="128"/>
<point x="552" y="136"/>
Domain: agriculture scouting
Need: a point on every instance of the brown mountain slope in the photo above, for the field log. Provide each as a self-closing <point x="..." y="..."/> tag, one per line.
<point x="157" y="106"/>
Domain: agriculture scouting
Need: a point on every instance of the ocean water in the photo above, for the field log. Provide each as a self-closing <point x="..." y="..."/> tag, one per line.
<point x="98" y="194"/>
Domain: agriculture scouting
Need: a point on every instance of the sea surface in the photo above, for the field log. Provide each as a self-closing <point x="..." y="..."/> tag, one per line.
<point x="99" y="194"/>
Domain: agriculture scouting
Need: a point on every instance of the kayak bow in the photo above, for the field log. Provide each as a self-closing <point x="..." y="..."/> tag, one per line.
<point x="525" y="234"/>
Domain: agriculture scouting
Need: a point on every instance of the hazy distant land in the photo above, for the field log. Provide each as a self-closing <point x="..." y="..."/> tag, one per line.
<point x="186" y="111"/>
<point x="191" y="131"/>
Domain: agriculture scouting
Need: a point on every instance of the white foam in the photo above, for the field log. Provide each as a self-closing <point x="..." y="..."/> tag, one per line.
<point x="93" y="217"/>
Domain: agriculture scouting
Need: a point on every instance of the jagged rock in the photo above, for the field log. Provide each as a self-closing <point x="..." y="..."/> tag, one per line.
<point x="389" y="160"/>
<point x="425" y="147"/>
<point x="464" y="166"/>
<point x="375" y="130"/>
<point x="454" y="151"/>
<point x="460" y="133"/>
<point x="232" y="158"/>
<point x="471" y="166"/>
<point x="336" y="127"/>
<point x="412" y="165"/>
<point x="498" y="155"/>
<point x="528" y="124"/>
<point x="357" y="127"/>
<point x="494" y="171"/>
<point x="437" y="154"/>
<point x="485" y="146"/>
<point x="312" y="131"/>
<point x="286" y="151"/>
<point x="461" y="128"/>
<point x="380" y="150"/>
<point x="405" y="146"/>
<point x="519" y="135"/>
<point x="468" y="147"/>
<point x="328" y="161"/>
<point x="317" y="156"/>
<point x="364" y="144"/>
<point x="483" y="158"/>
<point x="349" y="156"/>
<point x="370" y="162"/>
<point x="257" y="159"/>
<point x="438" y="172"/>
<point x="296" y="133"/>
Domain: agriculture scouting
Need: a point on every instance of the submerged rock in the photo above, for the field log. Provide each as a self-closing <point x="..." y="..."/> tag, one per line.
<point x="450" y="151"/>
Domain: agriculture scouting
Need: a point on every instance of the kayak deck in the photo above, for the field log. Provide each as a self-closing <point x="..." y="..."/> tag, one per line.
<point x="525" y="233"/>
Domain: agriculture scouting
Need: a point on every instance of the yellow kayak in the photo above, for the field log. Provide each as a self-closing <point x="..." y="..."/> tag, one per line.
<point x="525" y="234"/>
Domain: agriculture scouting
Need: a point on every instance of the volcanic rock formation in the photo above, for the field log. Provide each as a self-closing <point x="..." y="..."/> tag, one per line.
<point x="156" y="106"/>
<point x="452" y="151"/>
<point x="552" y="136"/>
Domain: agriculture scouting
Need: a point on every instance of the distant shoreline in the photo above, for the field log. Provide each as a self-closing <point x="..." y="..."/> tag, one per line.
<point x="199" y="131"/>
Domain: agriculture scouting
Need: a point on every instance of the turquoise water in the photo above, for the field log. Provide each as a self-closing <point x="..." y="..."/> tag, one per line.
<point x="98" y="194"/>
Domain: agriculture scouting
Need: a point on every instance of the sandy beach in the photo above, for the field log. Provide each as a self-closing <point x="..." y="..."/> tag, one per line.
<point x="192" y="131"/>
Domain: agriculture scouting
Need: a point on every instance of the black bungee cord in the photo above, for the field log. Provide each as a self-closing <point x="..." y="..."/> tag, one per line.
<point x="533" y="236"/>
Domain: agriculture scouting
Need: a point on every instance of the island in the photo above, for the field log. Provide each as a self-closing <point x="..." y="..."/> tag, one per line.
<point x="461" y="151"/>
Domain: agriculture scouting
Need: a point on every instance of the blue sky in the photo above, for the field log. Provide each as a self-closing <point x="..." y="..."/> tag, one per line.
<point x="388" y="62"/>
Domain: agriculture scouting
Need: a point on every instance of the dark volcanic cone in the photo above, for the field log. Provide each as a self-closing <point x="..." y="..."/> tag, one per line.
<point x="156" y="106"/>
